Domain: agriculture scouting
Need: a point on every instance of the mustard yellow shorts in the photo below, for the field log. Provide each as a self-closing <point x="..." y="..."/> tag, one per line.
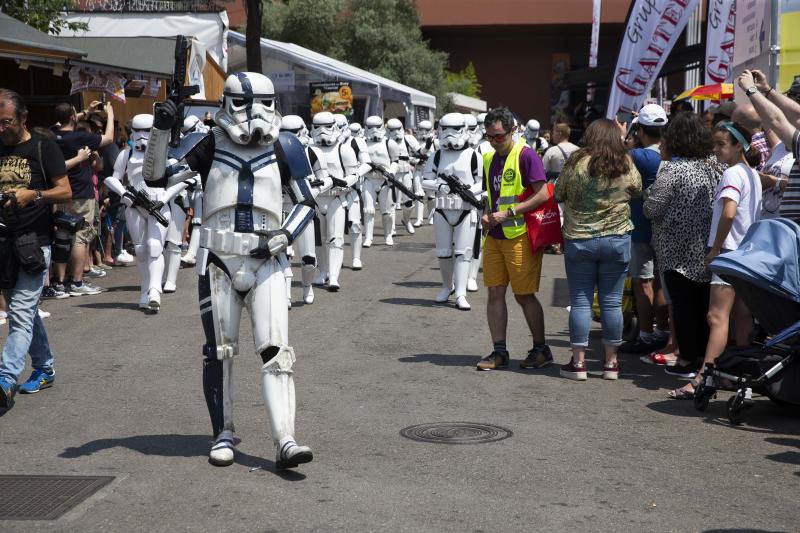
<point x="511" y="261"/>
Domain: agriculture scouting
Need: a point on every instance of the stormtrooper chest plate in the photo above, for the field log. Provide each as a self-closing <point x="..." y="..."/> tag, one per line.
<point x="243" y="190"/>
<point x="378" y="153"/>
<point x="458" y="163"/>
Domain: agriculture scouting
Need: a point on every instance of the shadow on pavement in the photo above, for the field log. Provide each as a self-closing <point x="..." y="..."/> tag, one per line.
<point x="124" y="288"/>
<point x="441" y="359"/>
<point x="111" y="305"/>
<point x="418" y="284"/>
<point x="172" y="445"/>
<point x="416" y="302"/>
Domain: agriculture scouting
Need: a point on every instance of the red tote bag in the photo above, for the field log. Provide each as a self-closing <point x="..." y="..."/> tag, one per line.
<point x="544" y="223"/>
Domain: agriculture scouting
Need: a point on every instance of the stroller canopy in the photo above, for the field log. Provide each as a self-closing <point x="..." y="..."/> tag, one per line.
<point x="767" y="257"/>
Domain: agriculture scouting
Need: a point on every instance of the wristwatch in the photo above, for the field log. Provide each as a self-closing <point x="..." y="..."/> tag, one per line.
<point x="37" y="201"/>
<point x="511" y="212"/>
<point x="751" y="90"/>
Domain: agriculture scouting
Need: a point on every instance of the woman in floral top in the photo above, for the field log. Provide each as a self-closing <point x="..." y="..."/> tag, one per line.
<point x="596" y="186"/>
<point x="680" y="205"/>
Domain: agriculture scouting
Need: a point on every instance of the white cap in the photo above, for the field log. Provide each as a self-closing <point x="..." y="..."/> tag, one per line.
<point x="651" y="115"/>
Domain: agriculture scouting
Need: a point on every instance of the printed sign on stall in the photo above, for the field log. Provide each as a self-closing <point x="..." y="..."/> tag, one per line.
<point x="332" y="96"/>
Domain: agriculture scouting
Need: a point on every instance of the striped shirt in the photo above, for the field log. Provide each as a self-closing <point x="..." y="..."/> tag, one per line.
<point x="790" y="205"/>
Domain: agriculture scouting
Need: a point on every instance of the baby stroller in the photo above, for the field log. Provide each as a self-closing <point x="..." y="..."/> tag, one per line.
<point x="765" y="272"/>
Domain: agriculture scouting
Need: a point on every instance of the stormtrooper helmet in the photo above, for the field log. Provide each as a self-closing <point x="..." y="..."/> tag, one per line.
<point x="190" y="124"/>
<point x="248" y="112"/>
<point x="394" y="129"/>
<point x="296" y="126"/>
<point x="452" y="131"/>
<point x="471" y="124"/>
<point x="140" y="126"/>
<point x="356" y="130"/>
<point x="482" y="123"/>
<point x="342" y="125"/>
<point x="375" y="131"/>
<point x="424" y="130"/>
<point x="323" y="129"/>
<point x="532" y="130"/>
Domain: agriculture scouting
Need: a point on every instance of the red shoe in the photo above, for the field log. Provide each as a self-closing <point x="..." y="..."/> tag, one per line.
<point x="658" y="358"/>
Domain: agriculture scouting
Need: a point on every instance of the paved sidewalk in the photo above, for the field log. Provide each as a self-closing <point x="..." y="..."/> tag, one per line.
<point x="371" y="360"/>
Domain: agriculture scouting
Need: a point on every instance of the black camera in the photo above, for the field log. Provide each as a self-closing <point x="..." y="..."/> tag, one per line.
<point x="66" y="227"/>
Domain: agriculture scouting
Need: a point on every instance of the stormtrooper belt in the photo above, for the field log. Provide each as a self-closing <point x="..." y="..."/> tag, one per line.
<point x="228" y="242"/>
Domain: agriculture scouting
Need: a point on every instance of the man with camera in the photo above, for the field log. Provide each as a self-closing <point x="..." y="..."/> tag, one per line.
<point x="32" y="177"/>
<point x="83" y="202"/>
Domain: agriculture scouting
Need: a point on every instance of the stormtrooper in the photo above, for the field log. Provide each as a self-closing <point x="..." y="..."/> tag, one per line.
<point x="193" y="199"/>
<point x="532" y="138"/>
<point x="484" y="146"/>
<point x="147" y="233"/>
<point x="304" y="243"/>
<point x="356" y="130"/>
<point x="354" y="201"/>
<point x="244" y="163"/>
<point x="473" y="132"/>
<point x="377" y="192"/>
<point x="193" y="124"/>
<point x="455" y="220"/>
<point x="342" y="164"/>
<point x="428" y="144"/>
<point x="405" y="152"/>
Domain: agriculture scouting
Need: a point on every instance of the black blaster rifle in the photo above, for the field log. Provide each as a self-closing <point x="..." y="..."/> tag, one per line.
<point x="5" y="197"/>
<point x="395" y="182"/>
<point x="178" y="91"/>
<point x="140" y="198"/>
<point x="457" y="187"/>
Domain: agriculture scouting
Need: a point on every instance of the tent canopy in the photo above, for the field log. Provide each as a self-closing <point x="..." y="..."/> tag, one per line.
<point x="327" y="67"/>
<point x="140" y="55"/>
<point x="27" y="39"/>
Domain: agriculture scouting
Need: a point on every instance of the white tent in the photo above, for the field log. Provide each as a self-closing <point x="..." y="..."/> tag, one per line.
<point x="293" y="67"/>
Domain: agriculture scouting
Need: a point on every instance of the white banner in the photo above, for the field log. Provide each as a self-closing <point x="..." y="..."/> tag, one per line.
<point x="653" y="28"/>
<point x="752" y="29"/>
<point x="719" y="41"/>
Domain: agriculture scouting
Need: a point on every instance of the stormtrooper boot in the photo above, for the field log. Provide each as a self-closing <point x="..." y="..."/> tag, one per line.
<point x="446" y="268"/>
<point x="474" y="267"/>
<point x="194" y="245"/>
<point x="388" y="229"/>
<point x="322" y="264"/>
<point x="288" y="277"/>
<point x="460" y="273"/>
<point x="307" y="273"/>
<point x="407" y="212"/>
<point x="420" y="213"/>
<point x="173" y="263"/>
<point x="144" y="278"/>
<point x="154" y="300"/>
<point x="222" y="451"/>
<point x="356" y="243"/>
<point x="335" y="259"/>
<point x="369" y="229"/>
<point x="279" y="398"/>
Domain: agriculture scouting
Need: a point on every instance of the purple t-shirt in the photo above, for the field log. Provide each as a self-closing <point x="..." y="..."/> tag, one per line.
<point x="530" y="168"/>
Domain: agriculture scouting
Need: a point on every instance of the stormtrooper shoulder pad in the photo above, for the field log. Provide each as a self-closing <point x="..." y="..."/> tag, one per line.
<point x="291" y="152"/>
<point x="188" y="142"/>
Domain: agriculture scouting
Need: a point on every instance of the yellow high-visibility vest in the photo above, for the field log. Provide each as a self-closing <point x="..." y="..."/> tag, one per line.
<point x="510" y="189"/>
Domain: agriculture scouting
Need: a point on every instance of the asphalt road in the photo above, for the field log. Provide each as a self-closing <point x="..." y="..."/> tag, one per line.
<point x="371" y="360"/>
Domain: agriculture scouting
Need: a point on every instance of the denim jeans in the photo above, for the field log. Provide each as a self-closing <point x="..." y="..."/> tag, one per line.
<point x="601" y="262"/>
<point x="26" y="332"/>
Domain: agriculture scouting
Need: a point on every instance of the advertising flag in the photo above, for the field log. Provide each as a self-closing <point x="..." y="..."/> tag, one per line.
<point x="719" y="41"/>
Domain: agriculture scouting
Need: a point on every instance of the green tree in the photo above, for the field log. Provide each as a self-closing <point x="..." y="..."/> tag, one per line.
<point x="464" y="82"/>
<point x="44" y="15"/>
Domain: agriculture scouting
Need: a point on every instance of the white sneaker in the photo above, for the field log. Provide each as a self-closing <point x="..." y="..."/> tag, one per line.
<point x="290" y="454"/>
<point x="154" y="300"/>
<point x="43" y="313"/>
<point x="357" y="265"/>
<point x="124" y="258"/>
<point x="223" y="450"/>
<point x="462" y="304"/>
<point x="410" y="228"/>
<point x="472" y="285"/>
<point x="443" y="295"/>
<point x="389" y="240"/>
<point x="308" y="295"/>
<point x="418" y="224"/>
<point x="366" y="244"/>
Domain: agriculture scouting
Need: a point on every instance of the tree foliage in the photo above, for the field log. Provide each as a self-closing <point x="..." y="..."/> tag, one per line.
<point x="381" y="36"/>
<point x="44" y="15"/>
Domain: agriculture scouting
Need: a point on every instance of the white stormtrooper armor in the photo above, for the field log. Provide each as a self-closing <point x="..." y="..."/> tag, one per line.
<point x="484" y="146"/>
<point x="354" y="201"/>
<point x="455" y="220"/>
<point x="244" y="164"/>
<point x="376" y="191"/>
<point x="147" y="234"/>
<point x="193" y="124"/>
<point x="428" y="144"/>
<point x="342" y="165"/>
<point x="532" y="138"/>
<point x="304" y="243"/>
<point x="396" y="135"/>
<point x="356" y="130"/>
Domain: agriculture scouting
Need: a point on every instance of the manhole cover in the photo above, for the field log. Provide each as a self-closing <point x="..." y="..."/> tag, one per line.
<point x="45" y="497"/>
<point x="456" y="433"/>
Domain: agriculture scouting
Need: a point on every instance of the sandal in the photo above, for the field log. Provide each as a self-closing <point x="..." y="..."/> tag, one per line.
<point x="684" y="394"/>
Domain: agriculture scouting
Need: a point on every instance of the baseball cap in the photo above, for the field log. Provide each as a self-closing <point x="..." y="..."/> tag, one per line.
<point x="651" y="115"/>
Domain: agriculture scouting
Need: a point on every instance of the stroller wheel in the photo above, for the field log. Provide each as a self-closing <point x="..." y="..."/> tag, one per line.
<point x="736" y="407"/>
<point x="702" y="396"/>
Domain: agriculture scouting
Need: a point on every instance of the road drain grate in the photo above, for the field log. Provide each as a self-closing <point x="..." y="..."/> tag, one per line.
<point x="45" y="497"/>
<point x="456" y="433"/>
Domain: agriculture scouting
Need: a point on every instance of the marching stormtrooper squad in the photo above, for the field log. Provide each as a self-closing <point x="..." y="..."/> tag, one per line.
<point x="258" y="184"/>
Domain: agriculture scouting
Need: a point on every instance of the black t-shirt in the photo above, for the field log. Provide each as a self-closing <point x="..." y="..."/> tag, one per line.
<point x="80" y="176"/>
<point x="20" y="168"/>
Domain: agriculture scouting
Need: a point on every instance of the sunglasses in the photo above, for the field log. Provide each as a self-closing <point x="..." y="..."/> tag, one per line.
<point x="498" y="138"/>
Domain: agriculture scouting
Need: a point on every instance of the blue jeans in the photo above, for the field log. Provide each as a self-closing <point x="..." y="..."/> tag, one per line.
<point x="601" y="262"/>
<point x="26" y="332"/>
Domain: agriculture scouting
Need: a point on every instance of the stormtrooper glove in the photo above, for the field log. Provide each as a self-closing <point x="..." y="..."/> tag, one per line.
<point x="270" y="243"/>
